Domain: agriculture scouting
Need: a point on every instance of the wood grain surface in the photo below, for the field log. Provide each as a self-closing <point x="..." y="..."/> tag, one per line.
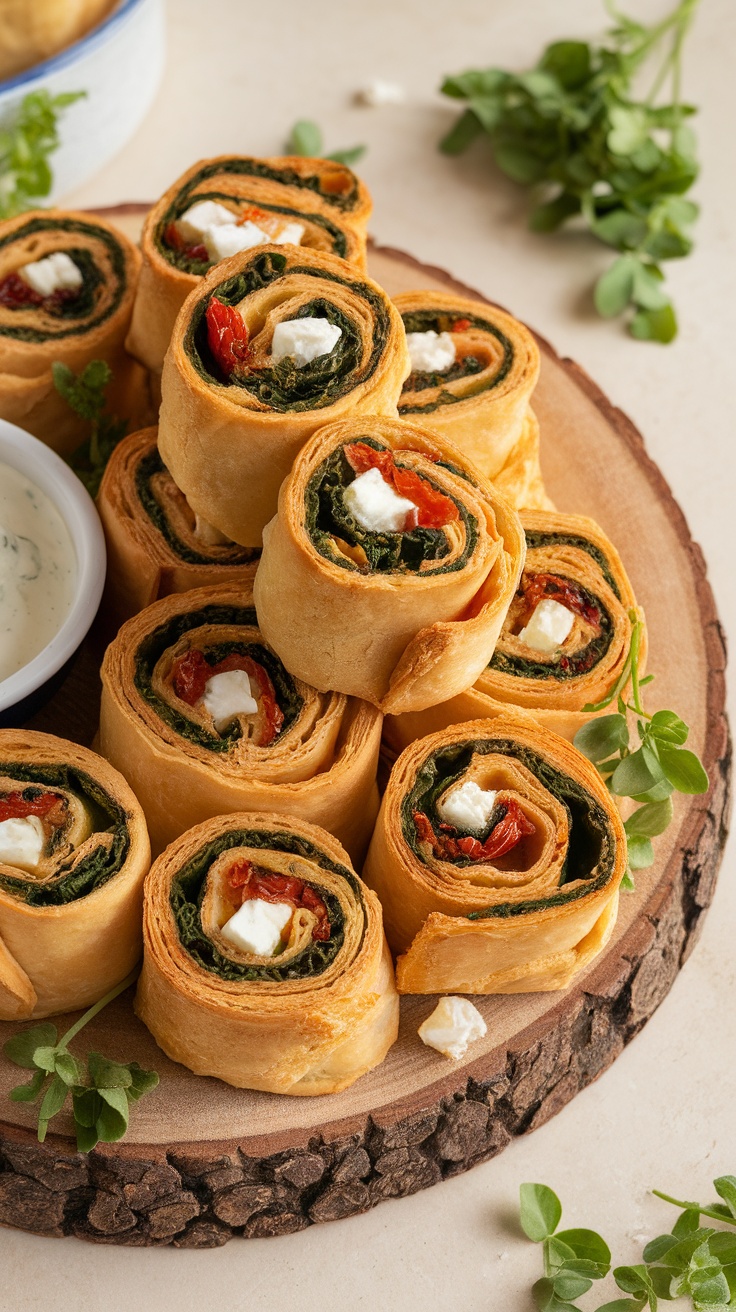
<point x="203" y="1161"/>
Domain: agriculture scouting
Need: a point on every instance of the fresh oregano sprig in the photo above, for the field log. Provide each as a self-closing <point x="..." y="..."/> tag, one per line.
<point x="27" y="140"/>
<point x="577" y="129"/>
<point x="85" y="393"/>
<point x="693" y="1261"/>
<point x="101" y="1090"/>
<point x="648" y="773"/>
<point x="306" y="138"/>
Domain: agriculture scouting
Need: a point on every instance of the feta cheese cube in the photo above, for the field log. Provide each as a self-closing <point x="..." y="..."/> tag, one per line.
<point x="381" y="93"/>
<point x="304" y="340"/>
<point x="224" y="239"/>
<point x="453" y="1025"/>
<point x="468" y="807"/>
<point x="291" y="232"/>
<point x="258" y="926"/>
<point x="229" y="694"/>
<point x="204" y="214"/>
<point x="374" y="504"/>
<point x="21" y="841"/>
<point x="54" y="273"/>
<point x="431" y="352"/>
<point x="548" y="627"/>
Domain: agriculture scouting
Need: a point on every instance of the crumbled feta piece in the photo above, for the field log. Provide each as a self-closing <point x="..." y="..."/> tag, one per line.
<point x="431" y="352"/>
<point x="224" y="239"/>
<point x="258" y="926"/>
<point x="195" y="221"/>
<point x="374" y="504"/>
<point x="229" y="694"/>
<point x="454" y="1024"/>
<point x="54" y="273"/>
<point x="467" y="807"/>
<point x="304" y="340"/>
<point x="291" y="232"/>
<point x="548" y="627"/>
<point x="21" y="841"/>
<point x="381" y="93"/>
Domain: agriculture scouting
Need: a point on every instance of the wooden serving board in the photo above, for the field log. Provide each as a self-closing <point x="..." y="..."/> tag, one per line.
<point x="203" y="1161"/>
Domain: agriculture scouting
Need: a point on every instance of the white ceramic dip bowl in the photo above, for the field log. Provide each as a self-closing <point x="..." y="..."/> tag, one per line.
<point x="23" y="692"/>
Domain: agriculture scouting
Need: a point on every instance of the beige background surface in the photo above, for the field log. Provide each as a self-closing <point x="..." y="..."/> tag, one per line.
<point x="239" y="74"/>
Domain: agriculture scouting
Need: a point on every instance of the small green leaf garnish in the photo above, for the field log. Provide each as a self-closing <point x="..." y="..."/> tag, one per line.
<point x="693" y="1261"/>
<point x="101" y="1090"/>
<point x="576" y="129"/>
<point x="26" y="142"/>
<point x="648" y="772"/>
<point x="306" y="139"/>
<point x="85" y="394"/>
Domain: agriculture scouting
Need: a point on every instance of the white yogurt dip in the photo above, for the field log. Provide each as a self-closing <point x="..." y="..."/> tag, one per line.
<point x="38" y="570"/>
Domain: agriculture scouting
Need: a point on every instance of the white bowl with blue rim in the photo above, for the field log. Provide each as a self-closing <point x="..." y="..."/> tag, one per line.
<point x="26" y="691"/>
<point x="119" y="64"/>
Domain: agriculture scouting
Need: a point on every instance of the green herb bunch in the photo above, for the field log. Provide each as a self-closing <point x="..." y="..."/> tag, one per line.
<point x="85" y="393"/>
<point x="576" y="129"/>
<point x="648" y="773"/>
<point x="26" y="142"/>
<point x="101" y="1090"/>
<point x="306" y="138"/>
<point x="692" y="1261"/>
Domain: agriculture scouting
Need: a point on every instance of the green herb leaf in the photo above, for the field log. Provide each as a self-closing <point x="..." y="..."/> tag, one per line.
<point x="306" y="139"/>
<point x="588" y="1246"/>
<point x="654" y="325"/>
<point x="21" y="1048"/>
<point x="350" y="155"/>
<point x="614" y="289"/>
<point x="683" y="770"/>
<point x="636" y="773"/>
<point x="543" y="1293"/>
<point x="467" y="128"/>
<point x="28" y="1092"/>
<point x="649" y="820"/>
<point x="540" y="1211"/>
<point x="640" y="853"/>
<point x="26" y="142"/>
<point x="51" y="1104"/>
<point x="85" y="394"/>
<point x="600" y="738"/>
<point x="725" y="1187"/>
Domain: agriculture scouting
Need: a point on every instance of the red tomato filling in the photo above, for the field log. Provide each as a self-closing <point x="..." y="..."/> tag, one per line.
<point x="192" y="670"/>
<point x="227" y="336"/>
<point x="17" y="294"/>
<point x="510" y="829"/>
<point x="247" y="881"/>
<point x="192" y="250"/>
<point x="433" y="508"/>
<point x="543" y="587"/>
<point x="460" y="325"/>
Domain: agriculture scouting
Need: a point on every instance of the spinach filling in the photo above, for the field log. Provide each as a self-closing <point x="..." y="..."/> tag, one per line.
<point x="188" y="890"/>
<point x="543" y="539"/>
<point x="327" y="516"/>
<point x="563" y="666"/>
<point x="283" y="387"/>
<point x="422" y="321"/>
<point x="83" y="304"/>
<point x="186" y="264"/>
<point x="167" y="635"/>
<point x="150" y="465"/>
<point x="257" y="168"/>
<point x="99" y="864"/>
<point x="591" y="852"/>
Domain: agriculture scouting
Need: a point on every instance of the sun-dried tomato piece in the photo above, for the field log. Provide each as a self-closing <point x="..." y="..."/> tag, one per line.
<point x="16" y="806"/>
<point x="193" y="251"/>
<point x="460" y="325"/>
<point x="227" y="336"/>
<point x="15" y="292"/>
<point x="433" y="508"/>
<point x="250" y="881"/>
<point x="448" y="845"/>
<point x="543" y="587"/>
<point x="192" y="670"/>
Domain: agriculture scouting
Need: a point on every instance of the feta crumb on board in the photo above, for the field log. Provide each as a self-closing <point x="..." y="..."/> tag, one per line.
<point x="453" y="1025"/>
<point x="229" y="694"/>
<point x="258" y="926"/>
<point x="468" y="806"/>
<point x="54" y="273"/>
<point x="21" y="841"/>
<point x="304" y="340"/>
<point x="431" y="352"/>
<point x="204" y="214"/>
<point x="379" y="92"/>
<point x="375" y="505"/>
<point x="548" y="626"/>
